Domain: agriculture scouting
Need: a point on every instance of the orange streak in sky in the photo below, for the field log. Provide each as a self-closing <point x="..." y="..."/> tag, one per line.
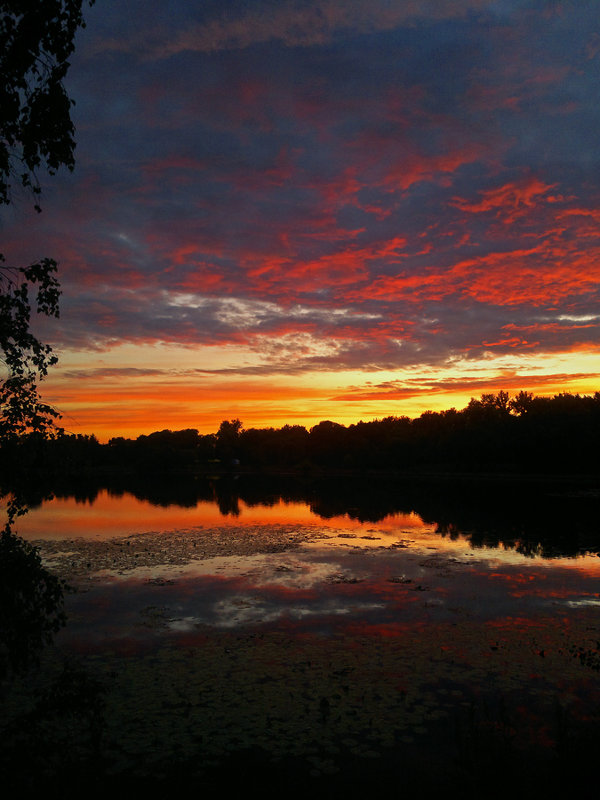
<point x="131" y="406"/>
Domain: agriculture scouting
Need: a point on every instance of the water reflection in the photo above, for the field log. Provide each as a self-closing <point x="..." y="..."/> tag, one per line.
<point x="532" y="519"/>
<point x="371" y="623"/>
<point x="322" y="590"/>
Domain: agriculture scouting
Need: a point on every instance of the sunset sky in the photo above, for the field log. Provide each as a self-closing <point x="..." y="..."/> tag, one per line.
<point x="289" y="211"/>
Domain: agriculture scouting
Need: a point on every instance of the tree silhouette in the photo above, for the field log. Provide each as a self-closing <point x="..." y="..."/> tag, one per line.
<point x="227" y="438"/>
<point x="36" y="42"/>
<point x="36" y="132"/>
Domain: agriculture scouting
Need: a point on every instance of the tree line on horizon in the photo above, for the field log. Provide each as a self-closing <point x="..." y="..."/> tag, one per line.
<point x="526" y="433"/>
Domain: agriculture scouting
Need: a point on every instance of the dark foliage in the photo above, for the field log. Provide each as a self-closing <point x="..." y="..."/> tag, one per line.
<point x="36" y="133"/>
<point x="53" y="740"/>
<point x="31" y="605"/>
<point x="496" y="435"/>
<point x="36" y="42"/>
<point x="25" y="357"/>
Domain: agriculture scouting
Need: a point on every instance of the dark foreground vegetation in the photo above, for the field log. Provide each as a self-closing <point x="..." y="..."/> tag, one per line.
<point x="495" y="434"/>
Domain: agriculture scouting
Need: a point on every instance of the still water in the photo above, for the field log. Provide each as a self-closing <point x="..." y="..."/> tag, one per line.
<point x="254" y="554"/>
<point x="108" y="515"/>
<point x="333" y="625"/>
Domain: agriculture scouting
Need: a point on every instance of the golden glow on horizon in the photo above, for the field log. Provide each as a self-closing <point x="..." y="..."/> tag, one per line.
<point x="133" y="390"/>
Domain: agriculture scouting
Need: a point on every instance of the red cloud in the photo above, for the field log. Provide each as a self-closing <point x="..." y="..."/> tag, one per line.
<point x="511" y="341"/>
<point x="342" y="268"/>
<point x="546" y="273"/>
<point x="549" y="327"/>
<point x="342" y="188"/>
<point x="510" y="200"/>
<point x="417" y="167"/>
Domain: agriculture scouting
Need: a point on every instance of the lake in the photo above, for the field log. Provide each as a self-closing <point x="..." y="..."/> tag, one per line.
<point x="330" y="632"/>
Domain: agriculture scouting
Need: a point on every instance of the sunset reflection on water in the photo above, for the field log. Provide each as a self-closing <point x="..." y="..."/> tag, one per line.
<point x="110" y="515"/>
<point x="368" y="635"/>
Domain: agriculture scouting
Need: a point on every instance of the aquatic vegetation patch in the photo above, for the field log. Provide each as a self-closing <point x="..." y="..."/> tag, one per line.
<point x="78" y="560"/>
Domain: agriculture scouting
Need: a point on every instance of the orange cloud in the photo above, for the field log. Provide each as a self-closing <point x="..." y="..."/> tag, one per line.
<point x="467" y="387"/>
